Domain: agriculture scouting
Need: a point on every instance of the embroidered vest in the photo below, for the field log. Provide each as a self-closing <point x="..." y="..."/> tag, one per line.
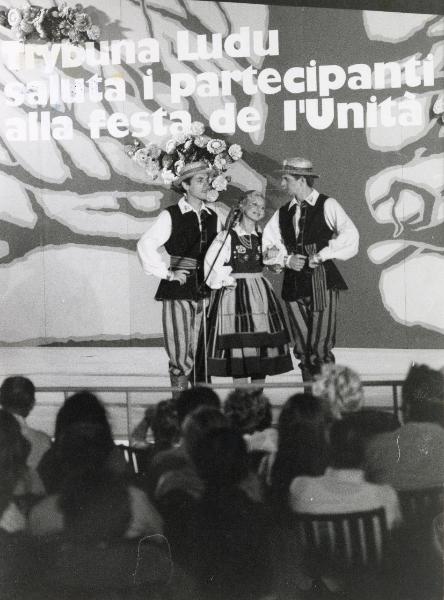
<point x="298" y="284"/>
<point x="246" y="255"/>
<point x="186" y="240"/>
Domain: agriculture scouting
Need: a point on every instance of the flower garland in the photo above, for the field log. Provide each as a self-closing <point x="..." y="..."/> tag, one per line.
<point x="50" y="24"/>
<point x="183" y="149"/>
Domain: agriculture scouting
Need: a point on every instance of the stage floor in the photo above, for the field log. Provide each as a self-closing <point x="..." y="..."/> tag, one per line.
<point x="122" y="368"/>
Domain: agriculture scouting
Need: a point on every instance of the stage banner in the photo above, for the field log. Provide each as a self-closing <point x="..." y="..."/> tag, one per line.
<point x="360" y="93"/>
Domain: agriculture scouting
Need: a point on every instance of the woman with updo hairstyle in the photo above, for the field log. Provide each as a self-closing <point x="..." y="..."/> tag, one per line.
<point x="247" y="334"/>
<point x="341" y="387"/>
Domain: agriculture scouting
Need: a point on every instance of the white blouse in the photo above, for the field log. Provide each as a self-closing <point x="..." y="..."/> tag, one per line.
<point x="219" y="273"/>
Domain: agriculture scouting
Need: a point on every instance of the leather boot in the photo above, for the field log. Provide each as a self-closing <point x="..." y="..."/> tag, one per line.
<point x="178" y="381"/>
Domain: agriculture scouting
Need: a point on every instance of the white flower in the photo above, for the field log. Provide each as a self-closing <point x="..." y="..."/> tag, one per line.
<point x="142" y="156"/>
<point x="14" y="17"/>
<point x="180" y="138"/>
<point x="201" y="141"/>
<point x="197" y="128"/>
<point x="219" y="183"/>
<point x="74" y="36"/>
<point x="18" y="34"/>
<point x="93" y="32"/>
<point x="82" y="22"/>
<point x="220" y="162"/>
<point x="216" y="146"/>
<point x="152" y="170"/>
<point x="212" y="195"/>
<point x="130" y="150"/>
<point x="179" y="165"/>
<point x="188" y="144"/>
<point x="168" y="176"/>
<point x="154" y="150"/>
<point x="26" y="27"/>
<point x="170" y="146"/>
<point x="235" y="151"/>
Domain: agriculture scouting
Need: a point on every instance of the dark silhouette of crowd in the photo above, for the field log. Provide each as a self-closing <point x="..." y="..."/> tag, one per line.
<point x="213" y="509"/>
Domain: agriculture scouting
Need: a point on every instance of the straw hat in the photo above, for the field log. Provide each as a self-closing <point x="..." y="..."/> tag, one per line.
<point x="297" y="166"/>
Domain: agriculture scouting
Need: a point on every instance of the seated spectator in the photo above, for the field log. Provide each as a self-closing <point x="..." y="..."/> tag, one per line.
<point x="249" y="411"/>
<point x="231" y="555"/>
<point x="176" y="457"/>
<point x="193" y="397"/>
<point x="341" y="387"/>
<point x="15" y="570"/>
<point x="343" y="487"/>
<point x="302" y="445"/>
<point x="14" y="451"/>
<point x="163" y="423"/>
<point x="95" y="504"/>
<point x="82" y="433"/>
<point x="17" y="396"/>
<point x="202" y="421"/>
<point x="412" y="457"/>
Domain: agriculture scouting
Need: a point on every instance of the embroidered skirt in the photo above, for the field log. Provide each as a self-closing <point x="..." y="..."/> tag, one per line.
<point x="247" y="333"/>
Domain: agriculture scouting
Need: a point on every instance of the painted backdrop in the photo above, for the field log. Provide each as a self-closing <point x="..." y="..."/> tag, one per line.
<point x="280" y="81"/>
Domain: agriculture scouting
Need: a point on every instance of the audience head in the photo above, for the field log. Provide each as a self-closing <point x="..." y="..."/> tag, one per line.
<point x="342" y="388"/>
<point x="165" y="424"/>
<point x="83" y="439"/>
<point x="374" y="422"/>
<point x="84" y="444"/>
<point x="347" y="441"/>
<point x="221" y="459"/>
<point x="17" y="395"/>
<point x="248" y="410"/>
<point x="14" y="450"/>
<point x="423" y="395"/>
<point x="203" y="420"/>
<point x="95" y="505"/>
<point x="193" y="397"/>
<point x="82" y="407"/>
<point x="302" y="446"/>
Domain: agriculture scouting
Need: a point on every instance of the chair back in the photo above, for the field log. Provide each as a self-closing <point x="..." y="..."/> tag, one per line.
<point x="356" y="539"/>
<point x="136" y="458"/>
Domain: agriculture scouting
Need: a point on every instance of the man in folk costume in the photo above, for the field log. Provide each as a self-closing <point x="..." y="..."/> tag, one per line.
<point x="303" y="237"/>
<point x="195" y="165"/>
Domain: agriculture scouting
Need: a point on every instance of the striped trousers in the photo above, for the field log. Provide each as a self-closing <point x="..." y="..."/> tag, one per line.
<point x="181" y="320"/>
<point x="314" y="333"/>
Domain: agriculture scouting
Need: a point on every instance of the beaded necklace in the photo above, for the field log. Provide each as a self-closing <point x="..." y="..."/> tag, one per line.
<point x="245" y="240"/>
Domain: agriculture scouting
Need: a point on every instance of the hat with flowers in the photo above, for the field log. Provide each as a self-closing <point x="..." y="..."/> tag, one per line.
<point x="55" y="24"/>
<point x="185" y="155"/>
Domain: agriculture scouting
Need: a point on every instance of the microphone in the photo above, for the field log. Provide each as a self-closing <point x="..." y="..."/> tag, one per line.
<point x="232" y="217"/>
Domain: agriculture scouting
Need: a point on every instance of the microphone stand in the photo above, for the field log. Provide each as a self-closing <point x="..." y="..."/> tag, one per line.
<point x="232" y="217"/>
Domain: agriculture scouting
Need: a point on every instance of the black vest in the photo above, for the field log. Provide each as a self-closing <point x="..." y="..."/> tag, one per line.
<point x="186" y="241"/>
<point x="243" y="258"/>
<point x="297" y="284"/>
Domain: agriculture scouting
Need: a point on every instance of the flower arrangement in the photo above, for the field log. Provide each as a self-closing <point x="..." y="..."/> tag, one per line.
<point x="50" y="24"/>
<point x="184" y="149"/>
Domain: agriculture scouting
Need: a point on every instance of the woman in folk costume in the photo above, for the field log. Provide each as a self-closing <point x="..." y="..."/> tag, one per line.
<point x="247" y="335"/>
<point x="195" y="165"/>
